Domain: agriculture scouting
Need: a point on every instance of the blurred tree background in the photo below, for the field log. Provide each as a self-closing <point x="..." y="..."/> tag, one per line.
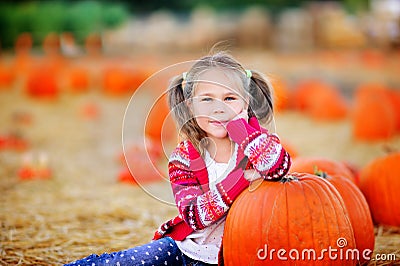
<point x="42" y="18"/>
<point x="84" y="17"/>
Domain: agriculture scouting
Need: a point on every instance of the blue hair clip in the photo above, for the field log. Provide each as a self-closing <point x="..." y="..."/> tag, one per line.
<point x="248" y="73"/>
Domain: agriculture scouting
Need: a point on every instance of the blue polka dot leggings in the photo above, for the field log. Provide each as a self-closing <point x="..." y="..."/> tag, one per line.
<point x="160" y="252"/>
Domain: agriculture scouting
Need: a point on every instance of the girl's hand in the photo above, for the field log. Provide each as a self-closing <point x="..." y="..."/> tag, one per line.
<point x="251" y="175"/>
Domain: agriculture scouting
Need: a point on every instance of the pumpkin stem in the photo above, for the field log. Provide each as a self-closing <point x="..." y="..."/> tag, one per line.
<point x="319" y="172"/>
<point x="288" y="178"/>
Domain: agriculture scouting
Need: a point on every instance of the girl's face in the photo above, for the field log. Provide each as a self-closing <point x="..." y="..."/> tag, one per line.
<point x="217" y="99"/>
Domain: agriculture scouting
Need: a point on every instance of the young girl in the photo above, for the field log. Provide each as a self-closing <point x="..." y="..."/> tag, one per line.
<point x="217" y="105"/>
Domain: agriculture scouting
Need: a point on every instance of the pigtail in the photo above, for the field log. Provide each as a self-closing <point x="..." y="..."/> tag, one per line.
<point x="261" y="100"/>
<point x="175" y="93"/>
<point x="176" y="101"/>
<point x="179" y="96"/>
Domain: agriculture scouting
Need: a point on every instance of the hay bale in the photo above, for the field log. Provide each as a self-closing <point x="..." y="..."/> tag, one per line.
<point x="254" y="28"/>
<point x="294" y="31"/>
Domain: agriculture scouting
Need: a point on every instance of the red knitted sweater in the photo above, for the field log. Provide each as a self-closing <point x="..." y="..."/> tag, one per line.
<point x="199" y="206"/>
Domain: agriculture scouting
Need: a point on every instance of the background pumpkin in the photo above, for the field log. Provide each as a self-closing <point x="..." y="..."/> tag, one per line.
<point x="373" y="115"/>
<point x="7" y="76"/>
<point x="159" y="125"/>
<point x="140" y="169"/>
<point x="79" y="79"/>
<point x="320" y="100"/>
<point x="140" y="162"/>
<point x="116" y="80"/>
<point x="394" y="98"/>
<point x="42" y="82"/>
<point x="281" y="93"/>
<point x="290" y="148"/>
<point x="303" y="164"/>
<point x="301" y="211"/>
<point x="380" y="184"/>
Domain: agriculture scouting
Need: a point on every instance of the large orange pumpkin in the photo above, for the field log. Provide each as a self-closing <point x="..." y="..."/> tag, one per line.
<point x="380" y="184"/>
<point x="338" y="174"/>
<point x="359" y="213"/>
<point x="299" y="213"/>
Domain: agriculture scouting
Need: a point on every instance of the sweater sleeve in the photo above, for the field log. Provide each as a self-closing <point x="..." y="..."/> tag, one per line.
<point x="198" y="205"/>
<point x="263" y="150"/>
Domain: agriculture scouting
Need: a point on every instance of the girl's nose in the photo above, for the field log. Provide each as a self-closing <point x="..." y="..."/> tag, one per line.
<point x="219" y="107"/>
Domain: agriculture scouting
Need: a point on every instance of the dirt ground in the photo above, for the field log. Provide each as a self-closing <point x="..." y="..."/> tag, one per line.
<point x="82" y="209"/>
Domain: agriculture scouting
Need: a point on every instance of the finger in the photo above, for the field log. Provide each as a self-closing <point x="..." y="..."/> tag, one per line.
<point x="251" y="175"/>
<point x="255" y="184"/>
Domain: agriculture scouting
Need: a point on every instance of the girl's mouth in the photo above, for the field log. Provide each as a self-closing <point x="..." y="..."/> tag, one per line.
<point x="218" y="123"/>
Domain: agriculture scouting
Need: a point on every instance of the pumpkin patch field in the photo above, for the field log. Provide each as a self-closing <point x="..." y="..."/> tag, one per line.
<point x="66" y="189"/>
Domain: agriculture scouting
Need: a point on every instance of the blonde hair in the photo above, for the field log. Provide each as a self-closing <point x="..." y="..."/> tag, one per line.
<point x="257" y="88"/>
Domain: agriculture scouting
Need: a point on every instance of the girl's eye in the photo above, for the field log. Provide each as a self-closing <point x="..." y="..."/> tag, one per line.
<point x="230" y="98"/>
<point x="206" y="99"/>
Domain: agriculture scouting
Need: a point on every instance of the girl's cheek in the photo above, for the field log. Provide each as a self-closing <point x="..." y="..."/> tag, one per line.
<point x="237" y="109"/>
